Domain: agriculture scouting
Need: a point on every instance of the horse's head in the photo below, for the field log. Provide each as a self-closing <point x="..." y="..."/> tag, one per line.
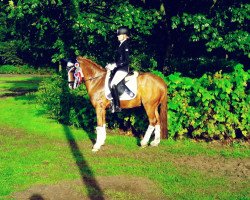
<point x="82" y="65"/>
<point x="75" y="75"/>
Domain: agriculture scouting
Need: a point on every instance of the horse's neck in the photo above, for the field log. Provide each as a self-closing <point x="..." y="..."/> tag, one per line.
<point x="93" y="74"/>
<point x="91" y="70"/>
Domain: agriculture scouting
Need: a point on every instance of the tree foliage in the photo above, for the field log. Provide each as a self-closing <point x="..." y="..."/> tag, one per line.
<point x="164" y="33"/>
<point x="220" y="28"/>
<point x="191" y="29"/>
<point x="58" y="29"/>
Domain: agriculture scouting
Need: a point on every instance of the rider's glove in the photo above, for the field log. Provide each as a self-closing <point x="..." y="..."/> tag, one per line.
<point x="111" y="66"/>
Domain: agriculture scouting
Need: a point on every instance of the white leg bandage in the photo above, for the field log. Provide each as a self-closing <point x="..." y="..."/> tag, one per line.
<point x="104" y="133"/>
<point x="157" y="138"/>
<point x="100" y="137"/>
<point x="147" y="135"/>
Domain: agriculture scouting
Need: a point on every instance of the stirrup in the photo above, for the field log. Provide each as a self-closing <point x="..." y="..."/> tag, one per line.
<point x="115" y="109"/>
<point x="118" y="109"/>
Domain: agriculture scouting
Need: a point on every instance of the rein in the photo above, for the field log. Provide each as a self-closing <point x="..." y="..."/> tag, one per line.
<point x="93" y="78"/>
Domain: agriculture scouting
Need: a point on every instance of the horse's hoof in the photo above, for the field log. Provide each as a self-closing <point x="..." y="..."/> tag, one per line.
<point x="94" y="150"/>
<point x="154" y="144"/>
<point x="143" y="144"/>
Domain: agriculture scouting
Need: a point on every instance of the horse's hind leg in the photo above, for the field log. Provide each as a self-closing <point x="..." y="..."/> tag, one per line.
<point x="157" y="137"/>
<point x="150" y="110"/>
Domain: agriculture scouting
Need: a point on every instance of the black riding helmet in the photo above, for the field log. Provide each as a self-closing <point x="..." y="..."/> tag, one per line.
<point x="123" y="30"/>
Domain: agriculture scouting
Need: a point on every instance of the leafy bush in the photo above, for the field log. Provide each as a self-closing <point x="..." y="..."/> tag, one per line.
<point x="71" y="107"/>
<point x="25" y="69"/>
<point x="142" y="62"/>
<point x="211" y="107"/>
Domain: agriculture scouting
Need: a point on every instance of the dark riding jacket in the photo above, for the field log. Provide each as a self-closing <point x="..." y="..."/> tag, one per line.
<point x="122" y="57"/>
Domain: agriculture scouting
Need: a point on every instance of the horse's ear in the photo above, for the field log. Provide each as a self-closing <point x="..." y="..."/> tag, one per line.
<point x="79" y="58"/>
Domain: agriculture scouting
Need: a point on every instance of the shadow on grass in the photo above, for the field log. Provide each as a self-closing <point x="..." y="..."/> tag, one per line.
<point x="94" y="191"/>
<point x="87" y="176"/>
<point x="21" y="87"/>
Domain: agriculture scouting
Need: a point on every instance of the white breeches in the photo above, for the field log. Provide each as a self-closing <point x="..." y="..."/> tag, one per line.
<point x="119" y="75"/>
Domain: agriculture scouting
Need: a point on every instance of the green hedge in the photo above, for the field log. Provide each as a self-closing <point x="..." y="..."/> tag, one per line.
<point x="211" y="107"/>
<point x="71" y="107"/>
<point x="24" y="69"/>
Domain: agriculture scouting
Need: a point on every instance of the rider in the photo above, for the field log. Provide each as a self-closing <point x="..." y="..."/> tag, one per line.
<point x="120" y="67"/>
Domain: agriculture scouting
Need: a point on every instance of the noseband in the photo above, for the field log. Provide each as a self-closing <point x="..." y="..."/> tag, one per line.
<point x="71" y="67"/>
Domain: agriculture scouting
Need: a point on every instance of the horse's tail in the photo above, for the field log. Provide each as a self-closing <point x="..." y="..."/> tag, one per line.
<point x="163" y="115"/>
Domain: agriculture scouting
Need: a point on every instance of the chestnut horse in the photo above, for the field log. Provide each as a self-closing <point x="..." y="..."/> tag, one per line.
<point x="152" y="94"/>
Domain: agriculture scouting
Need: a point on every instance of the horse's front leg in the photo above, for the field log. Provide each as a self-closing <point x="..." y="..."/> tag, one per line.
<point x="100" y="129"/>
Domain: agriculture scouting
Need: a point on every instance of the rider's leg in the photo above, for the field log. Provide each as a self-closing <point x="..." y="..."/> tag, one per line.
<point x="115" y="96"/>
<point x="116" y="100"/>
<point x="119" y="76"/>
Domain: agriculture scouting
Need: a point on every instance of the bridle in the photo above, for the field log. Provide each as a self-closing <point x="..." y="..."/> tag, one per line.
<point x="73" y="67"/>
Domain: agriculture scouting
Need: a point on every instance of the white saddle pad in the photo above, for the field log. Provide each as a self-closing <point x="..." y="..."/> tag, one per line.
<point x="130" y="82"/>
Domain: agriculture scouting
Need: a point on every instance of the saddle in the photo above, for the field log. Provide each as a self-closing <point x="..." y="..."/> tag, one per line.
<point x="127" y="88"/>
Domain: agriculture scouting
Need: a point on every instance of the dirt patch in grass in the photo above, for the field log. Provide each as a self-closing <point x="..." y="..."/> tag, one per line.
<point x="123" y="187"/>
<point x="115" y="187"/>
<point x="237" y="169"/>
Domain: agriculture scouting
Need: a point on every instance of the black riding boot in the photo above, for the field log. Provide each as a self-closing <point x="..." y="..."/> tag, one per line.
<point x="115" y="105"/>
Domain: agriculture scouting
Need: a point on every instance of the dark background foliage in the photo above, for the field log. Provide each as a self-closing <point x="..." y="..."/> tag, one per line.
<point x="192" y="37"/>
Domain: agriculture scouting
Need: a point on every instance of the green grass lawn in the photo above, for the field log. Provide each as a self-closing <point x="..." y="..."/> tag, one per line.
<point x="35" y="150"/>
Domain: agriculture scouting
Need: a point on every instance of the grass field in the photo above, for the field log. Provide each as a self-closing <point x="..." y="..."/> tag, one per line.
<point x="42" y="158"/>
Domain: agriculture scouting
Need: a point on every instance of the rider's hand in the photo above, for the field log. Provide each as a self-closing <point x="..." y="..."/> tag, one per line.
<point x="110" y="66"/>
